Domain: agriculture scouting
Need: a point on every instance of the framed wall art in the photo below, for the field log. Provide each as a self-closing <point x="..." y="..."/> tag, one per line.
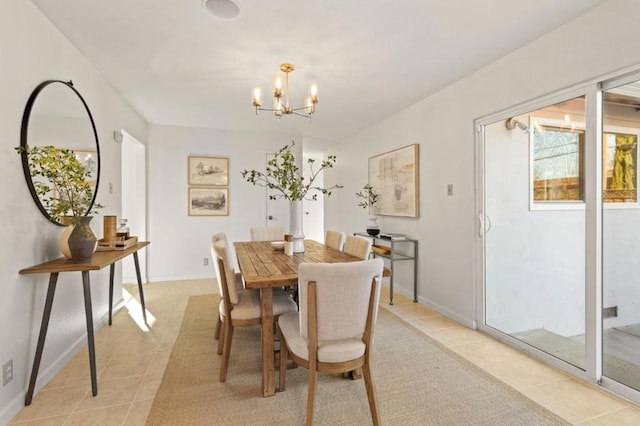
<point x="209" y="171"/>
<point x="208" y="202"/>
<point x="395" y="175"/>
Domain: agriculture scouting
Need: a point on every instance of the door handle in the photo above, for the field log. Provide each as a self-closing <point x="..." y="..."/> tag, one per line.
<point x="270" y="217"/>
<point x="484" y="227"/>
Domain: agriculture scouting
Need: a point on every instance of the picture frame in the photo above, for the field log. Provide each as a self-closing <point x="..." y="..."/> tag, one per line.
<point x="210" y="201"/>
<point x="395" y="176"/>
<point x="208" y="171"/>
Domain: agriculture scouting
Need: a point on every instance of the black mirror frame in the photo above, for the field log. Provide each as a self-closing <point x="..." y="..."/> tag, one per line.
<point x="24" y="132"/>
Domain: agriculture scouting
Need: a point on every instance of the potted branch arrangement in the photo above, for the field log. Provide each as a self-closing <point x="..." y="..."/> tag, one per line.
<point x="61" y="183"/>
<point x="284" y="178"/>
<point x="368" y="199"/>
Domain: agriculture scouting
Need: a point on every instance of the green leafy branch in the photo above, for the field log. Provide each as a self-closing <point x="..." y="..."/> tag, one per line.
<point x="60" y="180"/>
<point x="283" y="176"/>
<point x="368" y="197"/>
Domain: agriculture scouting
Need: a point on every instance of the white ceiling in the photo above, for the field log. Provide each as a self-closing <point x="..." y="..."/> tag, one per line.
<point x="177" y="64"/>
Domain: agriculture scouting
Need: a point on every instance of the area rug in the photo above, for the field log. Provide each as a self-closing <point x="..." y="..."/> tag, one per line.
<point x="418" y="381"/>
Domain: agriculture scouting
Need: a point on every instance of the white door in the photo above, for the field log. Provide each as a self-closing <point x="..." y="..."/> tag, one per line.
<point x="277" y="210"/>
<point x="134" y="206"/>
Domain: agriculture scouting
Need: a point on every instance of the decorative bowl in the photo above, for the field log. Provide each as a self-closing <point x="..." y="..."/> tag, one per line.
<point x="277" y="245"/>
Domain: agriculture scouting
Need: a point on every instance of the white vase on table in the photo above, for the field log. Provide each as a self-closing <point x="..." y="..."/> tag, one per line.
<point x="295" y="229"/>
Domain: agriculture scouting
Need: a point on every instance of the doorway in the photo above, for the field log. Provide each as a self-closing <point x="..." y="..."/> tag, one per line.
<point x="134" y="205"/>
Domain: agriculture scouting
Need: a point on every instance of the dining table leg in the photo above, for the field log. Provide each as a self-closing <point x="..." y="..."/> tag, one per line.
<point x="268" y="368"/>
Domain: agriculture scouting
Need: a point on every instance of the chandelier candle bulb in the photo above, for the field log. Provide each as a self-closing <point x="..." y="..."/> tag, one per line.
<point x="257" y="97"/>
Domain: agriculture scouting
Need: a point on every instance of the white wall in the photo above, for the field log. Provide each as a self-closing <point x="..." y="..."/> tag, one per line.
<point x="179" y="242"/>
<point x="443" y="126"/>
<point x="34" y="51"/>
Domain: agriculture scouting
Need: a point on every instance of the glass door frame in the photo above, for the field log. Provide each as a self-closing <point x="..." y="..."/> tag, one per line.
<point x="592" y="90"/>
<point x="593" y="228"/>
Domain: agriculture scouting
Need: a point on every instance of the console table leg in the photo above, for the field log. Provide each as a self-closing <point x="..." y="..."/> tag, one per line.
<point x="44" y="325"/>
<point x="140" y="290"/>
<point x="112" y="270"/>
<point x="415" y="272"/>
<point x="90" y="342"/>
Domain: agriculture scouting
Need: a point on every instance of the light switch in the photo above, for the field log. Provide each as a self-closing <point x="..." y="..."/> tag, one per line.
<point x="450" y="189"/>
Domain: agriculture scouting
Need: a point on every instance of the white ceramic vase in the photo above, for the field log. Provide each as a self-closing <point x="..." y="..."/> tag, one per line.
<point x="295" y="219"/>
<point x="373" y="228"/>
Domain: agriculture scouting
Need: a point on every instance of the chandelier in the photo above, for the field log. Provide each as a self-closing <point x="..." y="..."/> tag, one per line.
<point x="281" y="104"/>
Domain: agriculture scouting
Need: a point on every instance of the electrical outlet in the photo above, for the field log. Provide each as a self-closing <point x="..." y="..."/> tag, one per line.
<point x="205" y="261"/>
<point x="7" y="372"/>
<point x="449" y="189"/>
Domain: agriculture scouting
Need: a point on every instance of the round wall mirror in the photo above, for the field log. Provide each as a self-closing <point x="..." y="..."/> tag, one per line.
<point x="56" y="114"/>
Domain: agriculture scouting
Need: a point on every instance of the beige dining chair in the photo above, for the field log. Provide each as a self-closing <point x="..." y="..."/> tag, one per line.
<point x="240" y="308"/>
<point x="334" y="239"/>
<point x="267" y="233"/>
<point x="357" y="246"/>
<point x="221" y="236"/>
<point x="333" y="332"/>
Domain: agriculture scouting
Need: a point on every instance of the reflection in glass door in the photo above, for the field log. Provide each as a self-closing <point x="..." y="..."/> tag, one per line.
<point x="535" y="248"/>
<point x="621" y="235"/>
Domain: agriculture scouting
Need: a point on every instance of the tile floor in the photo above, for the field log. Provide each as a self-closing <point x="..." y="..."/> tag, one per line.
<point x="128" y="381"/>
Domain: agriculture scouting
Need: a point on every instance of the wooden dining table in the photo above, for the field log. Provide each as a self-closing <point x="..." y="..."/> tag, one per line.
<point x="264" y="267"/>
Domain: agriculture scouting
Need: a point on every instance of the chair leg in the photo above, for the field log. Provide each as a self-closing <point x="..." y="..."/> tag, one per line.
<point x="284" y="355"/>
<point x="221" y="337"/>
<point x="224" y="364"/>
<point x="217" y="335"/>
<point x="371" y="394"/>
<point x="311" y="393"/>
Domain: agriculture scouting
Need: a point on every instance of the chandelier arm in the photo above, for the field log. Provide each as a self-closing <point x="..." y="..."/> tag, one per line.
<point x="298" y="109"/>
<point x="300" y="115"/>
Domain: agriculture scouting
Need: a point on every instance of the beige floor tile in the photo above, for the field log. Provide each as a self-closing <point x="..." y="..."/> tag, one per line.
<point x="127" y="367"/>
<point x="523" y="372"/>
<point x="487" y="351"/>
<point x="138" y="413"/>
<point x="110" y="393"/>
<point x="50" y="421"/>
<point x="76" y="373"/>
<point x="573" y="400"/>
<point x="626" y="417"/>
<point x="53" y="402"/>
<point x="431" y="322"/>
<point x="108" y="416"/>
<point x="148" y="387"/>
<point x="456" y="336"/>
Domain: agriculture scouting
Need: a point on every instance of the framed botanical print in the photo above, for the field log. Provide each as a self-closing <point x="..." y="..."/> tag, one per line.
<point x="209" y="171"/>
<point x="208" y="202"/>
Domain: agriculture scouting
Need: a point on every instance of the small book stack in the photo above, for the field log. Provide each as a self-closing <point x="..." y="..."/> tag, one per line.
<point x="393" y="236"/>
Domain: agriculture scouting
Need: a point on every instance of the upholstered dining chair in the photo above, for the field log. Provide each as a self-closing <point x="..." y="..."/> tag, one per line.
<point x="267" y="233"/>
<point x="357" y="246"/>
<point x="333" y="332"/>
<point x="221" y="236"/>
<point x="334" y="239"/>
<point x="240" y="308"/>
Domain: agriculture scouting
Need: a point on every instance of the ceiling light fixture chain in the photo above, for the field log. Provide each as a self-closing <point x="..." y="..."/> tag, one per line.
<point x="279" y="108"/>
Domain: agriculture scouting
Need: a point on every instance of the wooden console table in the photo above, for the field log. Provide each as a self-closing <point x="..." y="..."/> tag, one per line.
<point x="98" y="261"/>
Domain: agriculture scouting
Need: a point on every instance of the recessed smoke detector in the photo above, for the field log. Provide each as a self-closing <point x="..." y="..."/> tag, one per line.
<point x="223" y="9"/>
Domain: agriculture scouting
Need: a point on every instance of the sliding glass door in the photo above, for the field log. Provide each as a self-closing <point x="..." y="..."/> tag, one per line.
<point x="534" y="228"/>
<point x="560" y="231"/>
<point x="621" y="235"/>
